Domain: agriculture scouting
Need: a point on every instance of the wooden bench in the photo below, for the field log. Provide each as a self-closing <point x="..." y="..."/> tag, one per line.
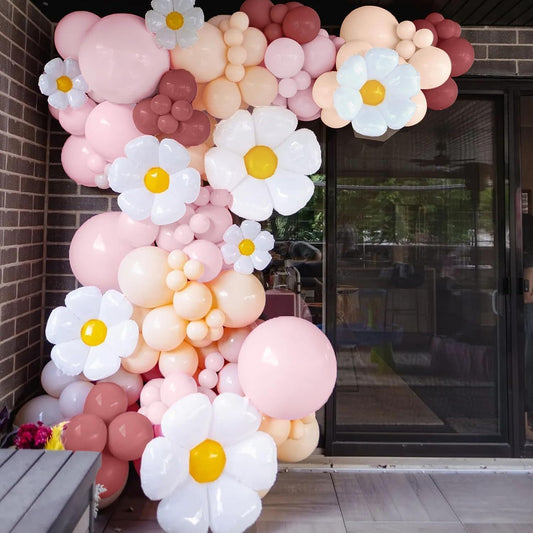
<point x="48" y="491"/>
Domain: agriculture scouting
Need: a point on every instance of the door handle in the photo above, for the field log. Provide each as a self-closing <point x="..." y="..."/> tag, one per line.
<point x="494" y="302"/>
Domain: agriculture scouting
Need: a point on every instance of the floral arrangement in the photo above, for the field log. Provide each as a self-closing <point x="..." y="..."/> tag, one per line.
<point x="32" y="436"/>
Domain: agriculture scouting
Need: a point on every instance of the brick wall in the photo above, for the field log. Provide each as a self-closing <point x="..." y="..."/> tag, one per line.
<point x="24" y="49"/>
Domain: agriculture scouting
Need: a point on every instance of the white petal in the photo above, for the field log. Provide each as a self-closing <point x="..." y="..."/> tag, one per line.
<point x="194" y="18"/>
<point x="397" y="112"/>
<point x="62" y="326"/>
<point x="234" y="419"/>
<point x="380" y="62"/>
<point x="353" y="73"/>
<point x="264" y="241"/>
<point x="70" y="357"/>
<point x="300" y="152"/>
<point x="233" y="234"/>
<point x="124" y="175"/>
<point x="137" y="203"/>
<point x="122" y="338"/>
<point x="154" y="21"/>
<point x="186" y="509"/>
<point x="243" y="265"/>
<point x="404" y="81"/>
<point x="173" y="156"/>
<point x="84" y="302"/>
<point x="232" y="506"/>
<point x="273" y="124"/>
<point x="72" y="68"/>
<point x="186" y="37"/>
<point x="230" y="253"/>
<point x="163" y="6"/>
<point x="59" y="100"/>
<point x="163" y="467"/>
<point x="167" y="208"/>
<point x="186" y="184"/>
<point x="47" y="84"/>
<point x="261" y="259"/>
<point x="143" y="152"/>
<point x="55" y="67"/>
<point x="369" y="121"/>
<point x="253" y="461"/>
<point x="347" y="102"/>
<point x="101" y="363"/>
<point x="80" y="84"/>
<point x="224" y="169"/>
<point x="250" y="229"/>
<point x="183" y="5"/>
<point x="187" y="421"/>
<point x="166" y="38"/>
<point x="76" y="98"/>
<point x="236" y="134"/>
<point x="290" y="191"/>
<point x="251" y="199"/>
<point x="114" y="308"/>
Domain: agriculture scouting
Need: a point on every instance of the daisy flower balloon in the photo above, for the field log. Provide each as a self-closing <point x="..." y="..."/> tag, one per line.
<point x="92" y="332"/>
<point x="63" y="83"/>
<point x="209" y="465"/>
<point x="246" y="247"/>
<point x="375" y="92"/>
<point x="154" y="180"/>
<point x="174" y="22"/>
<point x="263" y="161"/>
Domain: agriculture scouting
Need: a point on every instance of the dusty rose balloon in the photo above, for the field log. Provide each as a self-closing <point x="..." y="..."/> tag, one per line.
<point x="76" y="155"/>
<point x="319" y="55"/>
<point x="143" y="359"/>
<point x="178" y="84"/>
<point x="258" y="87"/>
<point x="70" y="32"/>
<point x="435" y="18"/>
<point x="447" y="29"/>
<point x="128" y="435"/>
<point x="106" y="401"/>
<point x="85" y="432"/>
<point x="461" y="54"/>
<point x="303" y="105"/>
<point x="193" y="131"/>
<point x="167" y="124"/>
<point x="258" y="12"/>
<point x="163" y="329"/>
<point x="301" y="24"/>
<point x="433" y="65"/>
<point x="112" y="475"/>
<point x="131" y="383"/>
<point x="372" y="24"/>
<point x="142" y="274"/>
<point x="184" y="358"/>
<point x="120" y="60"/>
<point x="443" y="96"/>
<point x="273" y="31"/>
<point x="73" y="119"/>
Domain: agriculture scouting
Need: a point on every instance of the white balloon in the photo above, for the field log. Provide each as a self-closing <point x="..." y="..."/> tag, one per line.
<point x="54" y="380"/>
<point x="72" y="399"/>
<point x="42" y="408"/>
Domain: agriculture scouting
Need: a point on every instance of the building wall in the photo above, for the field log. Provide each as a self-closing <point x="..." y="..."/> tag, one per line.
<point x="25" y="46"/>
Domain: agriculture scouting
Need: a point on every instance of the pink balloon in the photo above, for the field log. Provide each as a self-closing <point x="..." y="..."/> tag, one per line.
<point x="303" y="105"/>
<point x="209" y="255"/>
<point x="176" y="386"/>
<point x="73" y="119"/>
<point x="151" y="392"/>
<point x="229" y="345"/>
<point x="228" y="380"/>
<point x="96" y="251"/>
<point x="71" y="30"/>
<point x="137" y="232"/>
<point x="120" y="59"/>
<point x="287" y="368"/>
<point x="220" y="220"/>
<point x="109" y="128"/>
<point x="76" y="156"/>
<point x="319" y="55"/>
<point x="284" y="57"/>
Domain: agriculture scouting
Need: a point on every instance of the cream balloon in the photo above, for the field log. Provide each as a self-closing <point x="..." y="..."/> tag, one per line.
<point x="193" y="302"/>
<point x="143" y="359"/>
<point x="184" y="358"/>
<point x="295" y="450"/>
<point x="433" y="65"/>
<point x="373" y="24"/>
<point x="258" y="87"/>
<point x="163" y="329"/>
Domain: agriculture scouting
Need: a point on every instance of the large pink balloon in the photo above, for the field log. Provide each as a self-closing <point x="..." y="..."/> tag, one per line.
<point x="319" y="54"/>
<point x="284" y="57"/>
<point x="73" y="119"/>
<point x="287" y="367"/>
<point x="80" y="162"/>
<point x="372" y="24"/>
<point x="120" y="59"/>
<point x="109" y="128"/>
<point x="70" y="32"/>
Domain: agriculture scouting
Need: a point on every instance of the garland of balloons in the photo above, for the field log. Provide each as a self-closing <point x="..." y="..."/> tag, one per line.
<point x="162" y="353"/>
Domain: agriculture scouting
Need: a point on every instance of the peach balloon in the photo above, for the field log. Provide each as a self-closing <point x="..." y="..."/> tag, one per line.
<point x="258" y="87"/>
<point x="331" y="118"/>
<point x="372" y="24"/>
<point x="241" y="297"/>
<point x="295" y="450"/>
<point x="278" y="429"/>
<point x="139" y="314"/>
<point x="229" y="345"/>
<point x="206" y="58"/>
<point x="324" y="88"/>
<point x="222" y="98"/>
<point x="350" y="49"/>
<point x="197" y="154"/>
<point x="421" y="107"/>
<point x="406" y="29"/>
<point x="197" y="330"/>
<point x="193" y="302"/>
<point x="184" y="358"/>
<point x="143" y="359"/>
<point x="163" y="329"/>
<point x="405" y="49"/>
<point x="423" y="38"/>
<point x="433" y="65"/>
<point x="142" y="275"/>
<point x="255" y="44"/>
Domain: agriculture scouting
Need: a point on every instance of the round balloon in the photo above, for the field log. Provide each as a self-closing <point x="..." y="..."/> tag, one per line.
<point x="112" y="475"/>
<point x="54" y="380"/>
<point x="295" y="450"/>
<point x="85" y="432"/>
<point x="372" y="24"/>
<point x="128" y="435"/>
<point x="442" y="96"/>
<point x="71" y="30"/>
<point x="43" y="408"/>
<point x="106" y="401"/>
<point x="73" y="397"/>
<point x="80" y="161"/>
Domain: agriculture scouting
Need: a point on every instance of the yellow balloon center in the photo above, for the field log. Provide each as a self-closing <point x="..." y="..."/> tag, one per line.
<point x="373" y="92"/>
<point x="246" y="247"/>
<point x="64" y="83"/>
<point x="261" y="162"/>
<point x="93" y="332"/>
<point x="156" y="180"/>
<point x="174" y="20"/>
<point x="207" y="461"/>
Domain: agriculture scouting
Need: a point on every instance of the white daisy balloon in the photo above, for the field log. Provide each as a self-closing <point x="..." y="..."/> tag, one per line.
<point x="174" y="22"/>
<point x="375" y="92"/>
<point x="63" y="83"/>
<point x="209" y="465"/>
<point x="263" y="161"/>
<point x="92" y="332"/>
<point x="246" y="247"/>
<point x="154" y="180"/>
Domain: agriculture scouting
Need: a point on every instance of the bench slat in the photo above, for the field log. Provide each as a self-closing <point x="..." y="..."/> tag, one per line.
<point x="15" y="468"/>
<point x="5" y="454"/>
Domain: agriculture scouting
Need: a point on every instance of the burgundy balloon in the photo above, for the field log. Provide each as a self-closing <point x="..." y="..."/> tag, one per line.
<point x="178" y="84"/>
<point x="443" y="96"/>
<point x="435" y="18"/>
<point x="258" y="12"/>
<point x="113" y="474"/>
<point x="278" y="12"/>
<point x="167" y="124"/>
<point x="193" y="131"/>
<point x="422" y="24"/>
<point x="144" y="118"/>
<point x="448" y="29"/>
<point x="461" y="53"/>
<point x="182" y="110"/>
<point x="301" y="24"/>
<point x="106" y="400"/>
<point x="85" y="432"/>
<point x="292" y="5"/>
<point x="161" y="104"/>
<point x="273" y="31"/>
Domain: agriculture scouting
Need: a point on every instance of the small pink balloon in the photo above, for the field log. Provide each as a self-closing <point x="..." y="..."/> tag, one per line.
<point x="221" y="198"/>
<point x="284" y="57"/>
<point x="71" y="30"/>
<point x="211" y="394"/>
<point x="130" y="383"/>
<point x="287" y="87"/>
<point x="302" y="79"/>
<point x="75" y="156"/>
<point x="229" y="345"/>
<point x="303" y="105"/>
<point x="203" y="196"/>
<point x="319" y="55"/>
<point x="219" y="216"/>
<point x="175" y="386"/>
<point x="137" y="232"/>
<point x="207" y="378"/>
<point x="151" y="392"/>
<point x="199" y="223"/>
<point x="228" y="380"/>
<point x="155" y="411"/>
<point x="209" y="255"/>
<point x="214" y="361"/>
<point x="73" y="119"/>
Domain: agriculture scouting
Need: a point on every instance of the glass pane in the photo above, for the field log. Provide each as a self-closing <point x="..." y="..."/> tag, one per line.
<point x="417" y="271"/>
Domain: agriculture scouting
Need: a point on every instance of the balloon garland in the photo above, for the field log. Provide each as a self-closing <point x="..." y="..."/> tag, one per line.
<point x="161" y="353"/>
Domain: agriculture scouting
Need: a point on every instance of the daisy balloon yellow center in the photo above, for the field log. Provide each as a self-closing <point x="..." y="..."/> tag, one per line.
<point x="174" y="20"/>
<point x="372" y="92"/>
<point x="93" y="332"/>
<point x="64" y="83"/>
<point x="261" y="162"/>
<point x="207" y="461"/>
<point x="156" y="180"/>
<point x="246" y="247"/>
